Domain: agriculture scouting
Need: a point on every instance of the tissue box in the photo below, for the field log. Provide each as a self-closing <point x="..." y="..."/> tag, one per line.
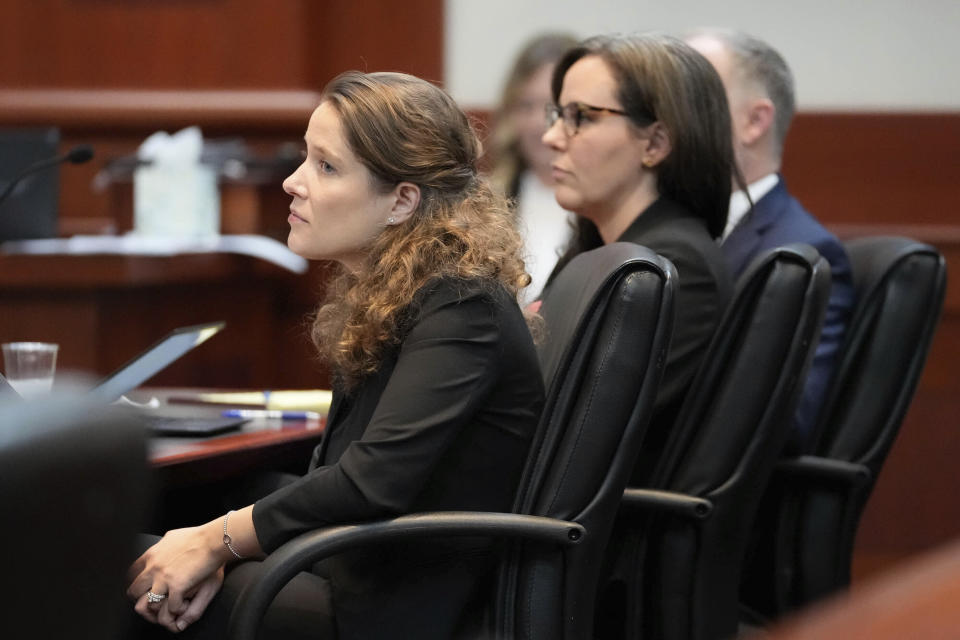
<point x="178" y="201"/>
<point x="174" y="193"/>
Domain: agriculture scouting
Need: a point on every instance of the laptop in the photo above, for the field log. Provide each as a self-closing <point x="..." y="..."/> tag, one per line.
<point x="146" y="365"/>
<point x="30" y="211"/>
<point x="7" y="392"/>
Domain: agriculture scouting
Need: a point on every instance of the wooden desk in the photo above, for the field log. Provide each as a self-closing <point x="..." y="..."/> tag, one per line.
<point x="193" y="475"/>
<point x="917" y="599"/>
<point x="260" y="444"/>
<point x="104" y="309"/>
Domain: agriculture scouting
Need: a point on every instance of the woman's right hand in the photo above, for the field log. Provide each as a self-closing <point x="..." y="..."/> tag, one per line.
<point x="195" y="604"/>
<point x="182" y="566"/>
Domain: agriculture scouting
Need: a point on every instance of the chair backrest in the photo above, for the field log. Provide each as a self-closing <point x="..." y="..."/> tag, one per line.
<point x="727" y="437"/>
<point x="608" y="317"/>
<point x="900" y="286"/>
<point x="74" y="487"/>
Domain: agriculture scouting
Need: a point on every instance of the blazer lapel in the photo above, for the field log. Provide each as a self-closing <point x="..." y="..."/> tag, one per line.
<point x="744" y="241"/>
<point x="740" y="246"/>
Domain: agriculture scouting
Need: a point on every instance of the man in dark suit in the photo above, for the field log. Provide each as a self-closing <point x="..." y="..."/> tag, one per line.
<point x="760" y="91"/>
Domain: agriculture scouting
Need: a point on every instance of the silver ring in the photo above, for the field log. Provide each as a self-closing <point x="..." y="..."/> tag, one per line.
<point x="155" y="597"/>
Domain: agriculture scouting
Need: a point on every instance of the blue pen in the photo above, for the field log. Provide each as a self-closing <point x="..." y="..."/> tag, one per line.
<point x="269" y="413"/>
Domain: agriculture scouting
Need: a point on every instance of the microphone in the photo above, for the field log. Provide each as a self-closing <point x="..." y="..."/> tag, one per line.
<point x="77" y="155"/>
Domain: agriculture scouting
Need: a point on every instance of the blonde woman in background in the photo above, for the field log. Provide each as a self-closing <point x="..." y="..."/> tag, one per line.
<point x="521" y="162"/>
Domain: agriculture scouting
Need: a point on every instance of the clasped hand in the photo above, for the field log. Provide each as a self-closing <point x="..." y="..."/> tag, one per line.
<point x="186" y="566"/>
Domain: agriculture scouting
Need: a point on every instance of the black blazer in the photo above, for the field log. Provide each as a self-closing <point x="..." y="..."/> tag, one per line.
<point x="703" y="289"/>
<point x="445" y="423"/>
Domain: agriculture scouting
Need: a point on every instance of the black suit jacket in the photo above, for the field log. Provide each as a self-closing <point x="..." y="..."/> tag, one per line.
<point x="703" y="289"/>
<point x="445" y="423"/>
<point x="778" y="219"/>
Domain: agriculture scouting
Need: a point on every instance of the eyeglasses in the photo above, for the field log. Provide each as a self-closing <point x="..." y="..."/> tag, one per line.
<point x="573" y="115"/>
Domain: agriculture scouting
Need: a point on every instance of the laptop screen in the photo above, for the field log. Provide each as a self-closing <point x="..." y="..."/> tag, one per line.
<point x="153" y="360"/>
<point x="7" y="391"/>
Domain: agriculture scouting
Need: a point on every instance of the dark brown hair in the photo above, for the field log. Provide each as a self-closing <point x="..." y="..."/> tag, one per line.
<point x="661" y="78"/>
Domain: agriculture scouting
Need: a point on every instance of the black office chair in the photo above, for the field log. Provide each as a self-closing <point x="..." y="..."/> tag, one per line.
<point x="608" y="317"/>
<point x="810" y="514"/>
<point x="74" y="490"/>
<point x="680" y="538"/>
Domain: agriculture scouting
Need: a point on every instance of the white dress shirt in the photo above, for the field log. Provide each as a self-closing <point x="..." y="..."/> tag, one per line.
<point x="739" y="205"/>
<point x="546" y="229"/>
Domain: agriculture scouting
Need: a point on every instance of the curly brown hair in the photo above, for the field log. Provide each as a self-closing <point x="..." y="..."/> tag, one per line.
<point x="404" y="129"/>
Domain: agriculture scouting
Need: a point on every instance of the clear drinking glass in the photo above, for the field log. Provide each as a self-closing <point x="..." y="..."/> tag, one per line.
<point x="30" y="367"/>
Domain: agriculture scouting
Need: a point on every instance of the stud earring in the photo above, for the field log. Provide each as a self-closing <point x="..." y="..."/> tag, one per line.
<point x="391" y="220"/>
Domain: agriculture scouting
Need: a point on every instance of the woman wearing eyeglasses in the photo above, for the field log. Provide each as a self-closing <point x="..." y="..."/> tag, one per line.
<point x="644" y="154"/>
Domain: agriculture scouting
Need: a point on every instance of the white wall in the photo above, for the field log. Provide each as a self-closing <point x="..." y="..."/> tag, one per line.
<point x="845" y="54"/>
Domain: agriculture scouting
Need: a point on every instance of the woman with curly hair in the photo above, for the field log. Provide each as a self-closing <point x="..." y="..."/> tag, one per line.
<point x="437" y="389"/>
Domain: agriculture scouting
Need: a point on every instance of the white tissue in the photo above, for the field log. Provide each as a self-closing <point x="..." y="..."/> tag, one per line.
<point x="175" y="195"/>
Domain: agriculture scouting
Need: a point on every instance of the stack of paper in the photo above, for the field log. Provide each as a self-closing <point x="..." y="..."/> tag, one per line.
<point x="317" y="400"/>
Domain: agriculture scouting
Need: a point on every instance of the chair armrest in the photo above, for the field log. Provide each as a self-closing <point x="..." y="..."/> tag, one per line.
<point x="829" y="469"/>
<point x="666" y="501"/>
<point x="303" y="551"/>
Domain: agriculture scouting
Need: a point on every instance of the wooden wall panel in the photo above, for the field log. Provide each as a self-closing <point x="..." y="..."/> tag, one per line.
<point x="153" y="43"/>
<point x="195" y="44"/>
<point x="876" y="168"/>
<point x="376" y="35"/>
